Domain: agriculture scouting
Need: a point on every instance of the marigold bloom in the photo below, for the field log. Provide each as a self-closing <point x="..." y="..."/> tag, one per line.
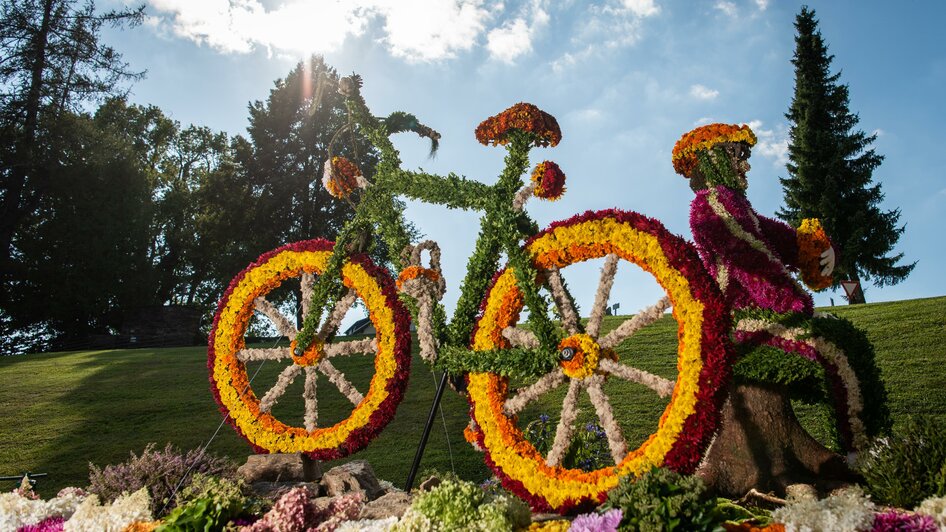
<point x="524" y="117"/>
<point x="704" y="138"/>
<point x="812" y="242"/>
<point x="549" y="181"/>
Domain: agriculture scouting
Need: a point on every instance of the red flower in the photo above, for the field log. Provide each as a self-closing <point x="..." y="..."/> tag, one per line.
<point x="549" y="181"/>
<point x="523" y="117"/>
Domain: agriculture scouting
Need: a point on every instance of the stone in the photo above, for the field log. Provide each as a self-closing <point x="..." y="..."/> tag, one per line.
<point x="274" y="490"/>
<point x="392" y="504"/>
<point x="279" y="467"/>
<point x="801" y="492"/>
<point x="356" y="475"/>
<point x="429" y="484"/>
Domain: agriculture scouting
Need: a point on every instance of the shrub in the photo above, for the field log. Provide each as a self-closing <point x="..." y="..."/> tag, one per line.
<point x="158" y="471"/>
<point x="460" y="505"/>
<point x="909" y="466"/>
<point x="846" y="511"/>
<point x="208" y="503"/>
<point x="662" y="499"/>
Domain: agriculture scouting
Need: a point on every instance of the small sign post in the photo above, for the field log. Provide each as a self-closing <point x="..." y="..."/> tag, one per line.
<point x="850" y="288"/>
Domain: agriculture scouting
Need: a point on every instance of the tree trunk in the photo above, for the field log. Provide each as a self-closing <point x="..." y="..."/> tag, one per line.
<point x="761" y="445"/>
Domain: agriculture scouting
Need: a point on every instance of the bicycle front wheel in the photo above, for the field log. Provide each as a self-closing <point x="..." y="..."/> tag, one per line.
<point x="596" y="365"/>
<point x="286" y="429"/>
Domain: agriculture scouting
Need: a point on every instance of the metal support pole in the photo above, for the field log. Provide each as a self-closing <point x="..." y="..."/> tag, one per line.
<point x="423" y="440"/>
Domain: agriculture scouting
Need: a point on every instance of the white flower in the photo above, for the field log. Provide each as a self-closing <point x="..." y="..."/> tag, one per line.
<point x="91" y="516"/>
<point x="934" y="507"/>
<point x="847" y="511"/>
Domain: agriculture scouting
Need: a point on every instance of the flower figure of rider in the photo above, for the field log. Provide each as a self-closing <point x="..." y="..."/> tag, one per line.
<point x="751" y="256"/>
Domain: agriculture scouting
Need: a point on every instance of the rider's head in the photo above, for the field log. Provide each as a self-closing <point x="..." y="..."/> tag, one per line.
<point x="715" y="154"/>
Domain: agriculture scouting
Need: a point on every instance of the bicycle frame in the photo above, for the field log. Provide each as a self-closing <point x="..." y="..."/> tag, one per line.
<point x="378" y="210"/>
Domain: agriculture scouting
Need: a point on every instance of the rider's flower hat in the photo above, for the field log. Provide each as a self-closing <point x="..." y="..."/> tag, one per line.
<point x="704" y="138"/>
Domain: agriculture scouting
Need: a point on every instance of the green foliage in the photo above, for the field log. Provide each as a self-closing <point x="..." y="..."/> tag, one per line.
<point x="662" y="499"/>
<point x="831" y="166"/>
<point x="588" y="450"/>
<point x="208" y="504"/>
<point x="456" y="505"/>
<point x="512" y="362"/>
<point x="908" y="466"/>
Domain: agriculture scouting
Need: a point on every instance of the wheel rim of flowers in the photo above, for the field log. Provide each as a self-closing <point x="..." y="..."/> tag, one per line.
<point x="704" y="361"/>
<point x="228" y="355"/>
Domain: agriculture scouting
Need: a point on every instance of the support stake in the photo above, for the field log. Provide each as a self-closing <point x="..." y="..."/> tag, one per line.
<point x="423" y="440"/>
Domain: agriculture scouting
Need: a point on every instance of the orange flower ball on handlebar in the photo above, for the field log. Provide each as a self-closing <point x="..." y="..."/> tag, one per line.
<point x="523" y="117"/>
<point x="548" y="180"/>
<point x="704" y="138"/>
<point x="341" y="177"/>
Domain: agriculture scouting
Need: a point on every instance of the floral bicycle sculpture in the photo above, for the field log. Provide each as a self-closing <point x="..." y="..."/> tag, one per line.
<point x="508" y="363"/>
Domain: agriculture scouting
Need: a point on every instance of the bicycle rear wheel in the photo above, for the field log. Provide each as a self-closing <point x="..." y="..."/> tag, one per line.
<point x="684" y="428"/>
<point x="252" y="416"/>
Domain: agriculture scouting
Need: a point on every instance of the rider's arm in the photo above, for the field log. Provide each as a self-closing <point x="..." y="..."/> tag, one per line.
<point x="783" y="240"/>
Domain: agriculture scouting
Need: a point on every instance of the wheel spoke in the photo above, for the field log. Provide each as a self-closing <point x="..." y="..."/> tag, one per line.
<point x="566" y="425"/>
<point x="285" y="379"/>
<point x="306" y="282"/>
<point x="564" y="303"/>
<point x="340" y="382"/>
<point x="606" y="414"/>
<point x="354" y="347"/>
<point x="256" y="354"/>
<point x="337" y="315"/>
<point x="547" y="383"/>
<point x="662" y="386"/>
<point x="279" y="320"/>
<point x="608" y="271"/>
<point x="642" y="319"/>
<point x="311" y="404"/>
<point x="521" y="337"/>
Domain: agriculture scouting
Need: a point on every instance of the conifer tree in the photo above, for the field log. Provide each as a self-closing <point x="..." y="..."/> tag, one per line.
<point x="830" y="169"/>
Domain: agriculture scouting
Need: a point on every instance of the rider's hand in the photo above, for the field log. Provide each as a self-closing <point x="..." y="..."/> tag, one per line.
<point x="827" y="260"/>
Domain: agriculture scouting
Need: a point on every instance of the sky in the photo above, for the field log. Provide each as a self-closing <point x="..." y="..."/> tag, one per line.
<point x="625" y="78"/>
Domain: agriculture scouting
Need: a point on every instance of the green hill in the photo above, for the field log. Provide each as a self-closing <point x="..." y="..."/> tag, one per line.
<point x="62" y="411"/>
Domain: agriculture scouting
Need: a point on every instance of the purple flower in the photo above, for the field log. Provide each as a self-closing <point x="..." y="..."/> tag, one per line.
<point x="593" y="522"/>
<point x="544" y="418"/>
<point x="894" y="521"/>
<point x="52" y="524"/>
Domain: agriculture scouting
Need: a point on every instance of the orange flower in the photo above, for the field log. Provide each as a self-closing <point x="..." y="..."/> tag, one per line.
<point x="524" y="117"/>
<point x="704" y="138"/>
<point x="812" y="242"/>
<point x="413" y="272"/>
<point x="341" y="177"/>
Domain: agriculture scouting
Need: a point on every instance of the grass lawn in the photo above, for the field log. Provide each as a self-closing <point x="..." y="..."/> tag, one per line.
<point x="62" y="411"/>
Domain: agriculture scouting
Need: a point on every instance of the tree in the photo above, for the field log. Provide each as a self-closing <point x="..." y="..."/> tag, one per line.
<point x="53" y="62"/>
<point x="290" y="134"/>
<point x="831" y="165"/>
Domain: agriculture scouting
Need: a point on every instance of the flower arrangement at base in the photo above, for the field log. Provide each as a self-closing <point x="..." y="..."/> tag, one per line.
<point x="227" y="354"/>
<point x="704" y="361"/>
<point x="846" y="511"/>
<point x="525" y="117"/>
<point x="548" y="181"/>
<point x="661" y="497"/>
<point x="812" y="242"/>
<point x="684" y="156"/>
<point x="456" y="504"/>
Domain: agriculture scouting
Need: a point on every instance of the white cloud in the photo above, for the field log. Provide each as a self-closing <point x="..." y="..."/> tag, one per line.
<point x="879" y="132"/>
<point x="300" y="26"/>
<point x="762" y="4"/>
<point x="641" y="8"/>
<point x="772" y="143"/>
<point x="443" y="29"/>
<point x="727" y="7"/>
<point x="514" y="38"/>
<point x="702" y="92"/>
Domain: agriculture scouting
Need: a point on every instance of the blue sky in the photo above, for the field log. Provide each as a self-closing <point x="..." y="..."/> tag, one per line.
<point x="624" y="78"/>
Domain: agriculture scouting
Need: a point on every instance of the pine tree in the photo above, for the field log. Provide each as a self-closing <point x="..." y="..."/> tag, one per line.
<point x="831" y="165"/>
